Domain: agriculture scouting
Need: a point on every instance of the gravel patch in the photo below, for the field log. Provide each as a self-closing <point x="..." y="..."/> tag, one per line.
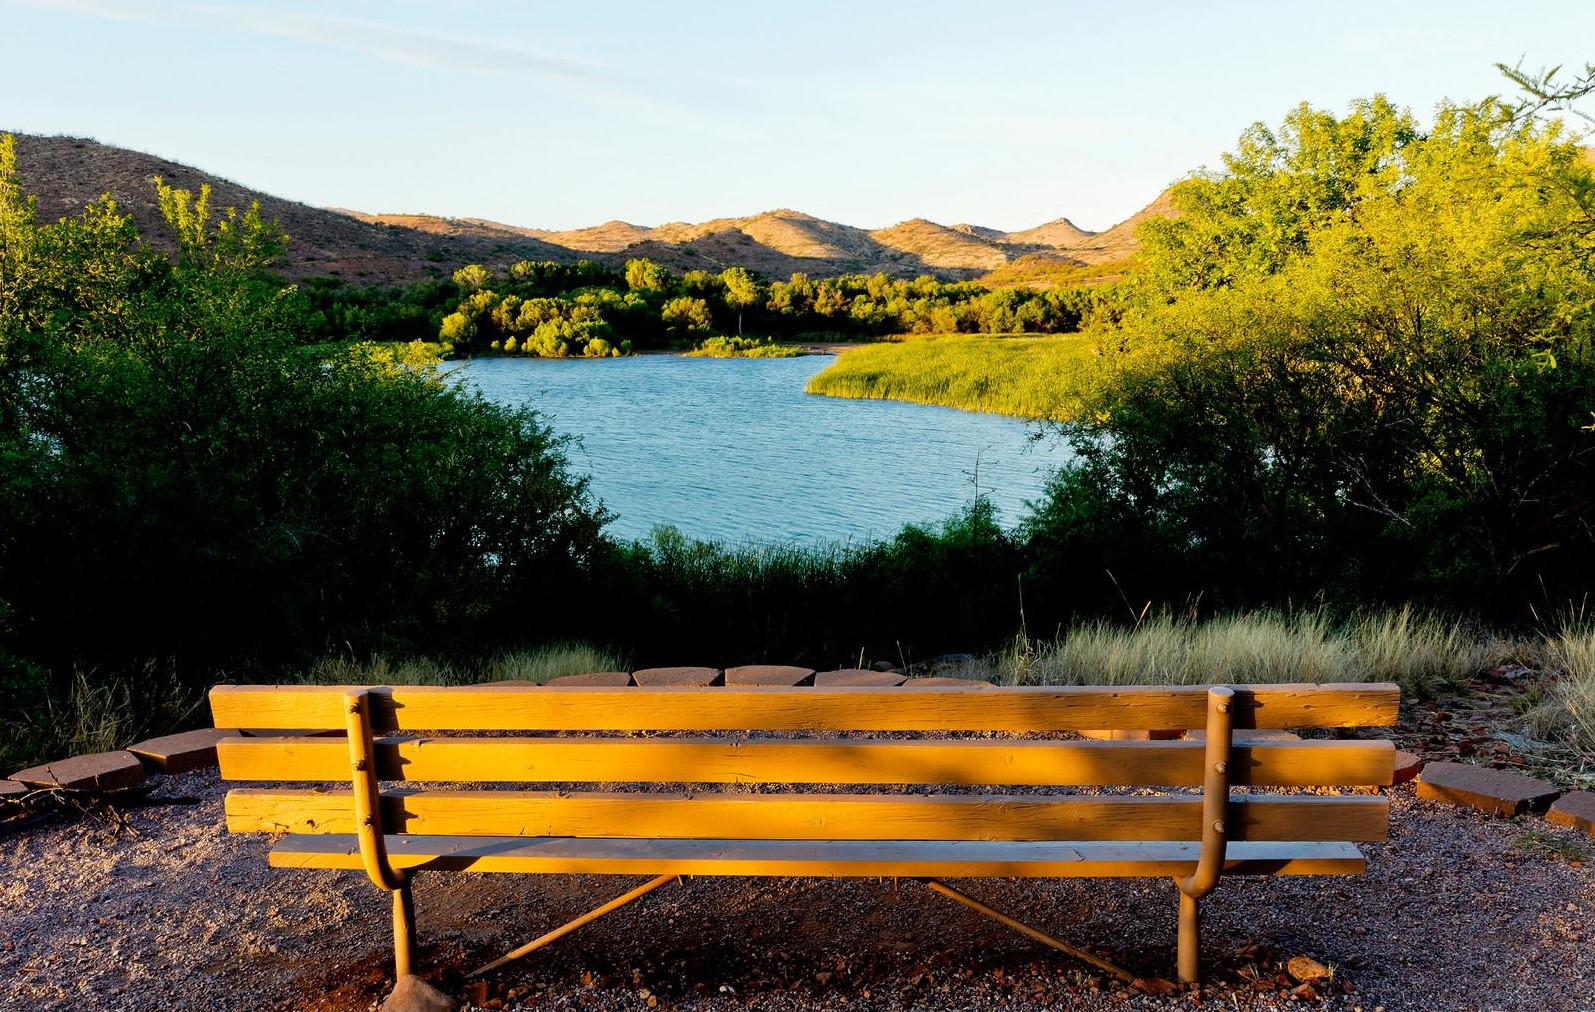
<point x="159" y="907"/>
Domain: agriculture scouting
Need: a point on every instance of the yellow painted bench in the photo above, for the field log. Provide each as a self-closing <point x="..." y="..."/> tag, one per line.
<point x="399" y="808"/>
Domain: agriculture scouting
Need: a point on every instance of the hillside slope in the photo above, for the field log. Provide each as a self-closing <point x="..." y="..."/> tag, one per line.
<point x="66" y="173"/>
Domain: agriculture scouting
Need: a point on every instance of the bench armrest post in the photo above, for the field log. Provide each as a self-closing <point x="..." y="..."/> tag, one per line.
<point x="368" y="793"/>
<point x="1215" y="793"/>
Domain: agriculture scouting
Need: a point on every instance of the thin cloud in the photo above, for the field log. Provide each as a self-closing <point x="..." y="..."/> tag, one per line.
<point x="387" y="42"/>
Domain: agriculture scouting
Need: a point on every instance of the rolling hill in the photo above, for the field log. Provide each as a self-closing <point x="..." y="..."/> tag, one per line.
<point x="65" y="173"/>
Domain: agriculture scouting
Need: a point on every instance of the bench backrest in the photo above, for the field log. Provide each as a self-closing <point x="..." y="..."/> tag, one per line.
<point x="590" y="751"/>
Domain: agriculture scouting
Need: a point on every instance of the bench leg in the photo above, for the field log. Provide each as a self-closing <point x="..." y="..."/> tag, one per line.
<point x="403" y="931"/>
<point x="1190" y="940"/>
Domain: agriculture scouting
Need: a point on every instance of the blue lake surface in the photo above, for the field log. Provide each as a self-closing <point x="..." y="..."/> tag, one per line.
<point x="734" y="450"/>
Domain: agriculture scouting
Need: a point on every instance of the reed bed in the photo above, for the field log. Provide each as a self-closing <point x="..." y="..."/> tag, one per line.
<point x="1029" y="377"/>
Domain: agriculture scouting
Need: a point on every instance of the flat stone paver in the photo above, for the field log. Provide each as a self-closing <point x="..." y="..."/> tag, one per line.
<point x="13" y="788"/>
<point x="1408" y="765"/>
<point x="1576" y="810"/>
<point x="503" y="683"/>
<point x="183" y="752"/>
<point x="858" y="677"/>
<point x="1487" y="790"/>
<point x="962" y="683"/>
<point x="600" y="679"/>
<point x="768" y="674"/>
<point x="1246" y="734"/>
<point x="98" y="771"/>
<point x="1110" y="734"/>
<point x="696" y="677"/>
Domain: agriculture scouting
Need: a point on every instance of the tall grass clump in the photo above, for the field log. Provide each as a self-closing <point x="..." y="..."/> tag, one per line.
<point x="1421" y="652"/>
<point x="1566" y="713"/>
<point x="537" y="664"/>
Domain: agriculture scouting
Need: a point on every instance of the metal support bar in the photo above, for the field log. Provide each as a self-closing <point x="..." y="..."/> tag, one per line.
<point x="368" y="826"/>
<point x="368" y="793"/>
<point x="1215" y="833"/>
<point x="1026" y="930"/>
<point x="403" y="932"/>
<point x="569" y="926"/>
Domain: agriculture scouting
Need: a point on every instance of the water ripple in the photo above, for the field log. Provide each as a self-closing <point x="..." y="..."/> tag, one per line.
<point x="732" y="449"/>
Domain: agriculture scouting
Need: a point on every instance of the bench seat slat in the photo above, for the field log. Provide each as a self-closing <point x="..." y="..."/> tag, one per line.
<point x="809" y="816"/>
<point x="938" y="708"/>
<point x="940" y="859"/>
<point x="811" y="761"/>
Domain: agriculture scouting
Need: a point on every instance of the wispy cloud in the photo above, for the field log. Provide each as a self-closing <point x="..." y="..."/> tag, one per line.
<point x="384" y="41"/>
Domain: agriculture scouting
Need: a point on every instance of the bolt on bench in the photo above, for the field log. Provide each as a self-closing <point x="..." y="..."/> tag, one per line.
<point x="381" y="821"/>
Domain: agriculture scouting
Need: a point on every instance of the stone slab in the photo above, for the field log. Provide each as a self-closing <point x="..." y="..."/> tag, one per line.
<point x="692" y="677"/>
<point x="98" y="771"/>
<point x="1246" y="734"/>
<point x="1576" y="810"/>
<point x="1096" y="734"/>
<point x="183" y="752"/>
<point x="600" y="679"/>
<point x="1408" y="765"/>
<point x="963" y="683"/>
<point x="12" y="789"/>
<point x="856" y="677"/>
<point x="292" y="732"/>
<point x="769" y="674"/>
<point x="513" y="682"/>
<point x="1484" y="789"/>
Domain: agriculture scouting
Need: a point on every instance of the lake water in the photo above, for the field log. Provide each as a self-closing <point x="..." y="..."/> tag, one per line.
<point x="734" y="450"/>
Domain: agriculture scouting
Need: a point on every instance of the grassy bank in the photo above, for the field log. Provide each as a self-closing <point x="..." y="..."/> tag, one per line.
<point x="1030" y="377"/>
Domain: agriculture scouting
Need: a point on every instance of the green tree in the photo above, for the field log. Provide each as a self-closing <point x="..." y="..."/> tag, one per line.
<point x="741" y="291"/>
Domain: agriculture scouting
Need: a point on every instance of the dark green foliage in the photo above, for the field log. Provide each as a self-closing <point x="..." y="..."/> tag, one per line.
<point x="185" y="478"/>
<point x="926" y="591"/>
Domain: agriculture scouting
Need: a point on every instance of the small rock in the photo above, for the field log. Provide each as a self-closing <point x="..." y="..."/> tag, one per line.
<point x="1305" y="992"/>
<point x="1307" y="970"/>
<point x="883" y="666"/>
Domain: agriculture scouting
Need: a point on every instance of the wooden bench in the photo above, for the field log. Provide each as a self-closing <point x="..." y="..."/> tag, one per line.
<point x="579" y="744"/>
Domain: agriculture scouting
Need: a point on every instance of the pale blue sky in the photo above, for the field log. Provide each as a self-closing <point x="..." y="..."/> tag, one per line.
<point x="567" y="114"/>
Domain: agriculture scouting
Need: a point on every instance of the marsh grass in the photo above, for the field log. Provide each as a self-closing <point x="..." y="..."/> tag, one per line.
<point x="1030" y="377"/>
<point x="1421" y="651"/>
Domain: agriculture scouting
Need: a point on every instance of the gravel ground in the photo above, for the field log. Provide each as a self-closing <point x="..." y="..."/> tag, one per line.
<point x="159" y="908"/>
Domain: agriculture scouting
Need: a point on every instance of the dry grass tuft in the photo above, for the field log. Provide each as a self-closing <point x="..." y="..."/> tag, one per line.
<point x="1566" y="711"/>
<point x="1421" y="651"/>
<point x="536" y="665"/>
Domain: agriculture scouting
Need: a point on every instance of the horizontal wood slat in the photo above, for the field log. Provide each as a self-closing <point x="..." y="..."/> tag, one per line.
<point x="943" y="859"/>
<point x="809" y="817"/>
<point x="936" y="708"/>
<point x="811" y="761"/>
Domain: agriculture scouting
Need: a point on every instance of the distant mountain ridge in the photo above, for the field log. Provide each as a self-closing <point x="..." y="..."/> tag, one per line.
<point x="66" y="173"/>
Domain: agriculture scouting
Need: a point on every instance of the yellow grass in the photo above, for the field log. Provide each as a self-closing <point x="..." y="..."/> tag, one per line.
<point x="537" y="665"/>
<point x="1422" y="652"/>
<point x="1030" y="377"/>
